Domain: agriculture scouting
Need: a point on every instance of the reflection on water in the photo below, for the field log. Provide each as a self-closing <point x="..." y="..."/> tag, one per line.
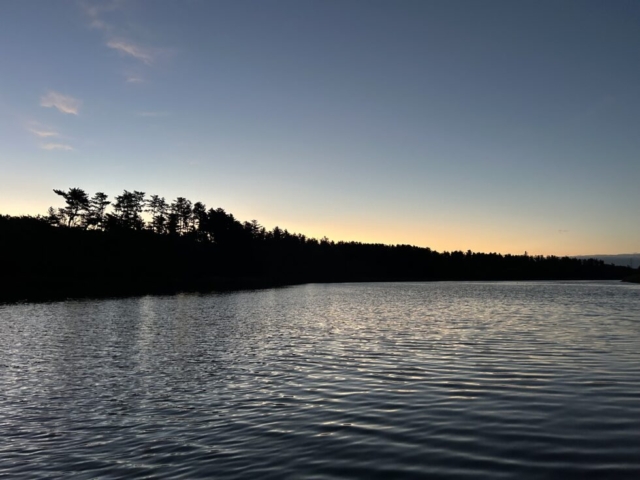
<point x="450" y="380"/>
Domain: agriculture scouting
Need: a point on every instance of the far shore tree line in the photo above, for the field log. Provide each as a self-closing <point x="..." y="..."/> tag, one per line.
<point x="180" y="217"/>
<point x="194" y="221"/>
<point x="137" y="244"/>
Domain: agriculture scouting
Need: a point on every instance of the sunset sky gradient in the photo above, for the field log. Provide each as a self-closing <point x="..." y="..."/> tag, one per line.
<point x="495" y="126"/>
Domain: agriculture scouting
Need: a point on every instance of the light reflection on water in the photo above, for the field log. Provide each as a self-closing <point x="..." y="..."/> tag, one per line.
<point x="451" y="380"/>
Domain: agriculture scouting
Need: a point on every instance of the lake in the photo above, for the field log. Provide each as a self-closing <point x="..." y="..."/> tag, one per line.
<point x="378" y="380"/>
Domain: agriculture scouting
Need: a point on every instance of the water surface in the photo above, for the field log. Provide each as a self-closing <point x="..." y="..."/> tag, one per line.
<point x="383" y="380"/>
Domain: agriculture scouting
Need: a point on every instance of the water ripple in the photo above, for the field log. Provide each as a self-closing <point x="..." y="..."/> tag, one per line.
<point x="436" y="380"/>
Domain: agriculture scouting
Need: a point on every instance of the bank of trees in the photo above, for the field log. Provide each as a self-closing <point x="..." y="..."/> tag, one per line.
<point x="135" y="211"/>
<point x="134" y="243"/>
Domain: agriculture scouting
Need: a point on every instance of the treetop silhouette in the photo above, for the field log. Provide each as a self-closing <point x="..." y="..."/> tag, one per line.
<point x="140" y="244"/>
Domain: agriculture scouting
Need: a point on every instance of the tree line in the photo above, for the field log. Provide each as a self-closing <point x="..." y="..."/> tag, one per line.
<point x="138" y="244"/>
<point x="180" y="217"/>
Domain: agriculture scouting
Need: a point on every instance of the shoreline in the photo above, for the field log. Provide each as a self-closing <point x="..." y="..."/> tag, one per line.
<point x="632" y="279"/>
<point x="63" y="289"/>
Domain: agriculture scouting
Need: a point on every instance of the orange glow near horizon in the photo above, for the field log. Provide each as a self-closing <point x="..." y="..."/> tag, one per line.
<point x="445" y="235"/>
<point x="452" y="238"/>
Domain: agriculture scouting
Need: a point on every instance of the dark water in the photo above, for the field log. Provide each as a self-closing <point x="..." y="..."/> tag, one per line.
<point x="440" y="380"/>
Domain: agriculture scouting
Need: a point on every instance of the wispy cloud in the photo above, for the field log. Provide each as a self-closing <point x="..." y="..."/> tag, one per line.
<point x="134" y="79"/>
<point x="152" y="114"/>
<point x="117" y="38"/>
<point x="56" y="146"/>
<point x="43" y="133"/>
<point x="126" y="47"/>
<point x="64" y="103"/>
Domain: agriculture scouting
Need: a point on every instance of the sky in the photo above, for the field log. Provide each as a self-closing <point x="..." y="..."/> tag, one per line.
<point x="494" y="126"/>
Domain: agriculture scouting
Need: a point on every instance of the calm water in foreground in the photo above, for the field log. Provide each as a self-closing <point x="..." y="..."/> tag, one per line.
<point x="424" y="380"/>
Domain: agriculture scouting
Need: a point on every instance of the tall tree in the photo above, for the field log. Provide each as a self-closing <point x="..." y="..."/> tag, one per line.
<point x="77" y="206"/>
<point x="199" y="219"/>
<point x="53" y="217"/>
<point x="97" y="209"/>
<point x="128" y="209"/>
<point x="183" y="209"/>
<point x="158" y="208"/>
<point x="255" y="230"/>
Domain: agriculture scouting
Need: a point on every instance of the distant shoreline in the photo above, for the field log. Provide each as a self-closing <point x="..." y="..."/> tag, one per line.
<point x="55" y="290"/>
<point x="93" y="248"/>
<point x="632" y="279"/>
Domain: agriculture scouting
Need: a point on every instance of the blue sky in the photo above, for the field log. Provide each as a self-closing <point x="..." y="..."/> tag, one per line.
<point x="490" y="126"/>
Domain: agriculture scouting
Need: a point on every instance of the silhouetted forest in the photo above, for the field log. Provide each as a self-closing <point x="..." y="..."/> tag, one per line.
<point x="139" y="244"/>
